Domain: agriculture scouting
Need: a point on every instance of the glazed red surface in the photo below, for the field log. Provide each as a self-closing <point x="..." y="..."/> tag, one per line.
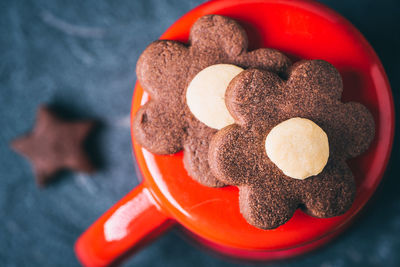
<point x="303" y="30"/>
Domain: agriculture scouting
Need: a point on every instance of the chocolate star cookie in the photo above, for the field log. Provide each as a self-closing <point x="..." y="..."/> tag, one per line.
<point x="54" y="145"/>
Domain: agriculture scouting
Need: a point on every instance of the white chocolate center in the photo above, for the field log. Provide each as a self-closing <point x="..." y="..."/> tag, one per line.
<point x="205" y="95"/>
<point x="299" y="147"/>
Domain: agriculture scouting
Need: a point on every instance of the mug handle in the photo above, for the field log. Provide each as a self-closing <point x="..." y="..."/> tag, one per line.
<point x="129" y="225"/>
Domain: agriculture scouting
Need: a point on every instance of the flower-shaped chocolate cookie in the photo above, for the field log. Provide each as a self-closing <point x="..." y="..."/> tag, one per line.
<point x="165" y="125"/>
<point x="282" y="115"/>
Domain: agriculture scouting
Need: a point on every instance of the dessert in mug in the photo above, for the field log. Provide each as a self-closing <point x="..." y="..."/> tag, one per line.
<point x="251" y="119"/>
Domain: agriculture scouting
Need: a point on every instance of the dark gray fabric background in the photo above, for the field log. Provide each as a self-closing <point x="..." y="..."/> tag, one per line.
<point x="80" y="56"/>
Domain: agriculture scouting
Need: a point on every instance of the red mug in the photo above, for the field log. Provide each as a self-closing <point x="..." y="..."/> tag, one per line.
<point x="167" y="196"/>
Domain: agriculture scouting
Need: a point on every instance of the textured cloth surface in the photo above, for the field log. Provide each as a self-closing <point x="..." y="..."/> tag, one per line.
<point x="80" y="56"/>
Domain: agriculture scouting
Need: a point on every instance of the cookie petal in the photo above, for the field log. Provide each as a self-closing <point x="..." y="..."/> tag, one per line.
<point x="254" y="97"/>
<point x="263" y="208"/>
<point x="266" y="59"/>
<point x="360" y="127"/>
<point x="350" y="127"/>
<point x="158" y="128"/>
<point x="331" y="193"/>
<point x="314" y="78"/>
<point x="218" y="33"/>
<point x="234" y="156"/>
<point x="162" y="69"/>
<point x="195" y="157"/>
